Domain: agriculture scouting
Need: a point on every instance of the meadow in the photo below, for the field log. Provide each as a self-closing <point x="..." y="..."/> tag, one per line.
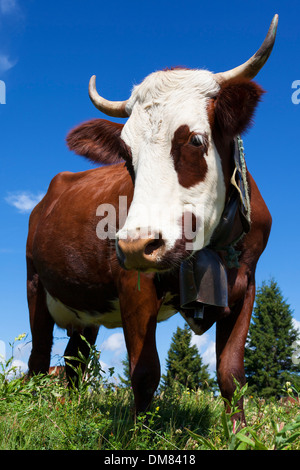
<point x="41" y="413"/>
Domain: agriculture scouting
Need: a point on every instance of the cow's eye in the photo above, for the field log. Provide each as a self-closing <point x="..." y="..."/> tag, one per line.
<point x="196" y="140"/>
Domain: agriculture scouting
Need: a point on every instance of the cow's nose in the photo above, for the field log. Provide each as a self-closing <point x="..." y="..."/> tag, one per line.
<point x="140" y="253"/>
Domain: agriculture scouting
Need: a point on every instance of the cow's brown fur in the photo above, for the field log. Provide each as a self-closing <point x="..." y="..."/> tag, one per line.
<point x="189" y="161"/>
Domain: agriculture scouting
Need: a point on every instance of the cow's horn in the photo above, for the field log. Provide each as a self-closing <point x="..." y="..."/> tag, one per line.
<point x="251" y="68"/>
<point x="111" y="108"/>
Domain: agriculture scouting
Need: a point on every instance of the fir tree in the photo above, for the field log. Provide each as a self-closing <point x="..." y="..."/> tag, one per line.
<point x="125" y="380"/>
<point x="184" y="363"/>
<point x="269" y="350"/>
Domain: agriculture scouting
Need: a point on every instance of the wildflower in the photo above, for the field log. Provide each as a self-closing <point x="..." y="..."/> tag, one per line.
<point x="157" y="408"/>
<point x="288" y="384"/>
<point x="20" y="337"/>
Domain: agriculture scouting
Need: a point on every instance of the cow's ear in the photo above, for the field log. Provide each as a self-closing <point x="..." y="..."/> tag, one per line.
<point x="98" y="140"/>
<point x="235" y="105"/>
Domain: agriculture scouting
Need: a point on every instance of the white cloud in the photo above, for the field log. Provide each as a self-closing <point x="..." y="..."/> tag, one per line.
<point x="8" y="6"/>
<point x="20" y="366"/>
<point x="2" y="351"/>
<point x="114" y="343"/>
<point x="209" y="356"/>
<point x="17" y="363"/>
<point x="206" y="348"/>
<point x="296" y="324"/>
<point x="6" y="63"/>
<point x="104" y="367"/>
<point x="24" y="201"/>
<point x="199" y="341"/>
<point x="12" y="8"/>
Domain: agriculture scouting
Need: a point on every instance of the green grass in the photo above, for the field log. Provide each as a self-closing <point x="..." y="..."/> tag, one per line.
<point x="40" y="413"/>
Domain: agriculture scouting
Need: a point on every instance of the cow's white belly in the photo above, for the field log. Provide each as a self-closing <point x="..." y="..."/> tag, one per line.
<point x="73" y="319"/>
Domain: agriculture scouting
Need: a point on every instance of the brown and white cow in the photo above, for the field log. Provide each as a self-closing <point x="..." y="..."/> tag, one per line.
<point x="172" y="157"/>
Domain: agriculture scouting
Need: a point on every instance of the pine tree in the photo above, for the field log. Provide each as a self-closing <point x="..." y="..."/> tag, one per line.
<point x="125" y="380"/>
<point x="268" y="353"/>
<point x="184" y="363"/>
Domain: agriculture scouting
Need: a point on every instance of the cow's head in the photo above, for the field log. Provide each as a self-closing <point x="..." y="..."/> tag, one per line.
<point x="176" y="143"/>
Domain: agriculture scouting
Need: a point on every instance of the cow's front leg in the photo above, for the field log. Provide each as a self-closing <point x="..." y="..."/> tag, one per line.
<point x="76" y="347"/>
<point x="139" y="309"/>
<point x="231" y="334"/>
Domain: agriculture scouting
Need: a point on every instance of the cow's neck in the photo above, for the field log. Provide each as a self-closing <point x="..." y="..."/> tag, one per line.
<point x="207" y="267"/>
<point x="235" y="219"/>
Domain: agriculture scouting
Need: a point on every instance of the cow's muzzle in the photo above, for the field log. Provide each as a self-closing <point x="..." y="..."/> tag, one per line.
<point x="140" y="253"/>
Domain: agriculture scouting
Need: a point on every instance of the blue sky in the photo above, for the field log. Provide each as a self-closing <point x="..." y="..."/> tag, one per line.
<point x="47" y="55"/>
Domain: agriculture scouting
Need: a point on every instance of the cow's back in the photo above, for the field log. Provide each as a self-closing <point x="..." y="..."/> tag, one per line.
<point x="74" y="265"/>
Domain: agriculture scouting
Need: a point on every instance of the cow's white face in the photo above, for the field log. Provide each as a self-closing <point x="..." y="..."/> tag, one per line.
<point x="176" y="165"/>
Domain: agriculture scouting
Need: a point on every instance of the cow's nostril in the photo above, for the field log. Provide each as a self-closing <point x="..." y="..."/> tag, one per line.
<point x="139" y="253"/>
<point x="154" y="245"/>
